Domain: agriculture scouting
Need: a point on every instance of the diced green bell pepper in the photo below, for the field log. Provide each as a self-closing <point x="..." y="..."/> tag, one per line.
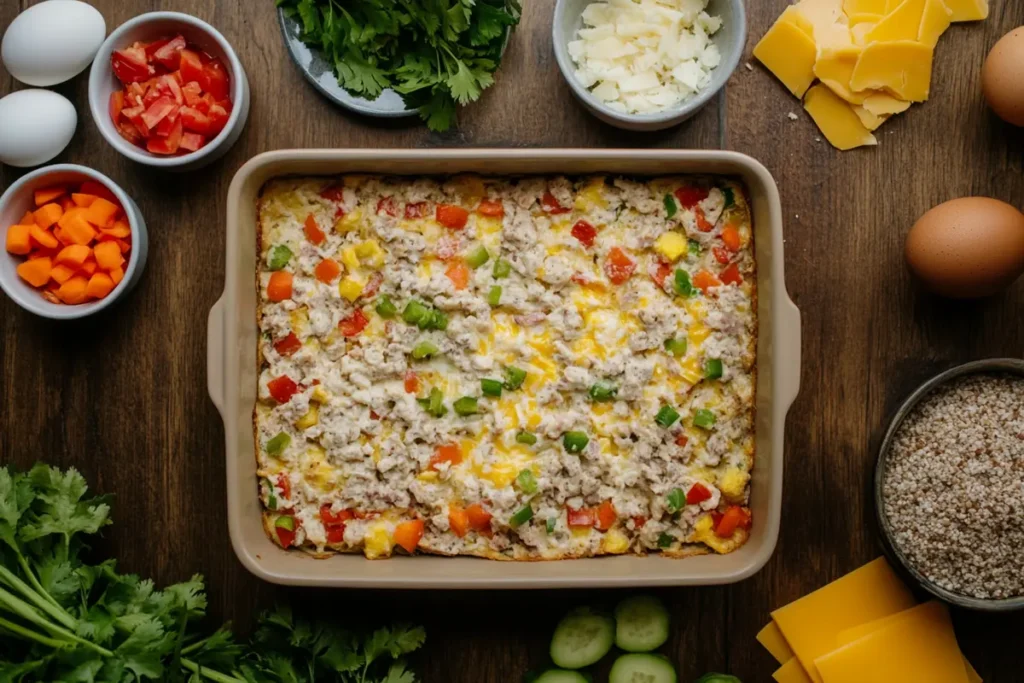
<point x="278" y="443"/>
<point x="494" y="296"/>
<point x="491" y="387"/>
<point x="666" y="417"/>
<point x="575" y="442"/>
<point x="467" y="405"/>
<point x="514" y="377"/>
<point x="521" y="517"/>
<point x="677" y="347"/>
<point x="502" y="268"/>
<point x="601" y="392"/>
<point x="279" y="257"/>
<point x="385" y="307"/>
<point x="704" y="418"/>
<point x="526" y="482"/>
<point x="425" y="349"/>
<point x="526" y="438"/>
<point x="713" y="368"/>
<point x="477" y="257"/>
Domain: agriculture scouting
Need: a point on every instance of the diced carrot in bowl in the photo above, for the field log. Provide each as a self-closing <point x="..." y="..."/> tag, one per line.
<point x="74" y="255"/>
<point x="61" y="273"/>
<point x="80" y="230"/>
<point x="36" y="271"/>
<point x="19" y="239"/>
<point x="44" y="238"/>
<point x="117" y="274"/>
<point x="74" y="291"/>
<point x="83" y="200"/>
<point x="45" y="195"/>
<point x="120" y="230"/>
<point x="100" y="284"/>
<point x="47" y="214"/>
<point x="102" y="212"/>
<point x="89" y="266"/>
<point x="108" y="255"/>
<point x="94" y="188"/>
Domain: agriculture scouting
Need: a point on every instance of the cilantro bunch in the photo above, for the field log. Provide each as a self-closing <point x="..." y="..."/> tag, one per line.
<point x="62" y="619"/>
<point x="434" y="53"/>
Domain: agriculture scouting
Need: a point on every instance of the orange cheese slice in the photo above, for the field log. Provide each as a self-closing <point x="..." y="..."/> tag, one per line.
<point x="903" y="23"/>
<point x="881" y="104"/>
<point x="902" y="67"/>
<point x="789" y="51"/>
<point x="811" y="624"/>
<point x="771" y="639"/>
<point x="835" y="67"/>
<point x="791" y="672"/>
<point x="967" y="10"/>
<point x="852" y="7"/>
<point x="919" y="647"/>
<point x="843" y="129"/>
<point x="934" y="21"/>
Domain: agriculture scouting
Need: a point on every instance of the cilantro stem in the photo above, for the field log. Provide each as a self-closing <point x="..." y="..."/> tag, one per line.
<point x="34" y="582"/>
<point x="12" y="580"/>
<point x="17" y="606"/>
<point x="205" y="672"/>
<point x="23" y="632"/>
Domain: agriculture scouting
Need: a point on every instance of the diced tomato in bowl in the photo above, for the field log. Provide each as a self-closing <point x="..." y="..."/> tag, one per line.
<point x="174" y="90"/>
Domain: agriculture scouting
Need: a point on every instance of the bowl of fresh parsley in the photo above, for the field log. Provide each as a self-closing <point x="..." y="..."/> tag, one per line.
<point x="394" y="58"/>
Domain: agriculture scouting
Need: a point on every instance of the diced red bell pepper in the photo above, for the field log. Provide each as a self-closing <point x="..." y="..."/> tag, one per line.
<point x="585" y="233"/>
<point x="449" y="453"/>
<point x="581" y="518"/>
<point x="698" y="493"/>
<point x="193" y="142"/>
<point x="550" y="205"/>
<point x="334" y="193"/>
<point x="703" y="224"/>
<point x="285" y="536"/>
<point x="288" y="345"/>
<point x="130" y="65"/>
<point x="168" y="55"/>
<point x="731" y="237"/>
<point x="354" y="324"/>
<point x="372" y="285"/>
<point x="639" y="521"/>
<point x="661" y="273"/>
<point x="491" y="208"/>
<point x="606" y="515"/>
<point x="165" y="127"/>
<point x="335" y="534"/>
<point x="282" y="389"/>
<point x="618" y="266"/>
<point x="412" y="382"/>
<point x="129" y="132"/>
<point x="721" y="255"/>
<point x="171" y="85"/>
<point x="451" y="216"/>
<point x="313" y="232"/>
<point x="416" y="210"/>
<point x="682" y="440"/>
<point x="218" y="119"/>
<point x="333" y="519"/>
<point x="731" y="275"/>
<point x="479" y="518"/>
<point x="285" y="485"/>
<point x="387" y="205"/>
<point x="150" y="48"/>
<point x="191" y="67"/>
<point x="690" y="197"/>
<point x="734" y="518"/>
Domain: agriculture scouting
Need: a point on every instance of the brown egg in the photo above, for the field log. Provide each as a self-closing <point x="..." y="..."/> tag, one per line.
<point x="1002" y="77"/>
<point x="967" y="248"/>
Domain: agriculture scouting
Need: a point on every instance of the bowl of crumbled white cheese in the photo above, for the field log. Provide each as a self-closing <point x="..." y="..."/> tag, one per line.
<point x="647" y="64"/>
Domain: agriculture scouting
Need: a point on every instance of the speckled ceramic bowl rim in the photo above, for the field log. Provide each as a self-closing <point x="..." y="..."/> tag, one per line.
<point x="98" y="100"/>
<point x="980" y="367"/>
<point x="678" y="113"/>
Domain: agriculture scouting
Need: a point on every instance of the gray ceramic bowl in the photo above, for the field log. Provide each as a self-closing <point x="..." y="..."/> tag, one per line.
<point x="730" y="40"/>
<point x="896" y="556"/>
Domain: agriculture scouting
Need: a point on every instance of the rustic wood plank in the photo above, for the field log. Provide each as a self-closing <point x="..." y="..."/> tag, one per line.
<point x="870" y="336"/>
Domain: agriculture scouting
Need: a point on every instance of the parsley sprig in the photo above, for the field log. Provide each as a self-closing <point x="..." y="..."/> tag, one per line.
<point x="434" y="53"/>
<point x="62" y="619"/>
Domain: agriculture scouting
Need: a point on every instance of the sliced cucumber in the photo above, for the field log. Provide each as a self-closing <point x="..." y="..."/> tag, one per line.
<point x="560" y="676"/>
<point x="642" y="669"/>
<point x="718" y="678"/>
<point x="582" y="638"/>
<point x="641" y="624"/>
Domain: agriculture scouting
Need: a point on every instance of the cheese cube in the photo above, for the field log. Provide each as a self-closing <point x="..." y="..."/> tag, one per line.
<point x="350" y="288"/>
<point x="671" y="245"/>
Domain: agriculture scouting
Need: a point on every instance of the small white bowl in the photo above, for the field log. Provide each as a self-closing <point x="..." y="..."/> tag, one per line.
<point x="18" y="199"/>
<point x="150" y="26"/>
<point x="730" y="40"/>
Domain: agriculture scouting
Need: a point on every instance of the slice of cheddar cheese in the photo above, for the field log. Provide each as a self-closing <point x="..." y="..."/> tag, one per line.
<point x="859" y="32"/>
<point x="934" y="22"/>
<point x="881" y="104"/>
<point x="789" y="52"/>
<point x="851" y="7"/>
<point x="791" y="672"/>
<point x="843" y="129"/>
<point x="870" y="121"/>
<point x="835" y="67"/>
<point x="903" y="23"/>
<point x="902" y="67"/>
<point x="863" y="18"/>
<point x="857" y="632"/>
<point x="811" y="624"/>
<point x="771" y="639"/>
<point x="920" y="647"/>
<point x="968" y="10"/>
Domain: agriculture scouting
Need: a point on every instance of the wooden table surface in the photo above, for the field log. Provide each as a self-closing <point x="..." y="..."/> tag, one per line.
<point x="122" y="395"/>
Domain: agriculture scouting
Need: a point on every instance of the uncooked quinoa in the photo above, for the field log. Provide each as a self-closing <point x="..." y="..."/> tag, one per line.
<point x="954" y="487"/>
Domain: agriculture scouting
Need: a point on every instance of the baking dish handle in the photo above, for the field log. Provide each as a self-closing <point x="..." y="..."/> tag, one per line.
<point x="215" y="355"/>
<point x="789" y="340"/>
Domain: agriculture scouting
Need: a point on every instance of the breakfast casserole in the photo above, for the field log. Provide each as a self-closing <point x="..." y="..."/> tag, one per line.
<point x="513" y="368"/>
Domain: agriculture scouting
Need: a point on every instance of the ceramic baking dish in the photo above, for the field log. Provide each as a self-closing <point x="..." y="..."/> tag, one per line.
<point x="232" y="371"/>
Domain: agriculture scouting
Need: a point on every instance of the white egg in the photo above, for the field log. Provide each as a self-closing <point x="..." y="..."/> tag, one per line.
<point x="35" y="126"/>
<point x="53" y="41"/>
